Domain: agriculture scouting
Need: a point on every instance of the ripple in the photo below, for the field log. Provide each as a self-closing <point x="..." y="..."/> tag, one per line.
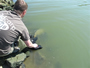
<point x="83" y="4"/>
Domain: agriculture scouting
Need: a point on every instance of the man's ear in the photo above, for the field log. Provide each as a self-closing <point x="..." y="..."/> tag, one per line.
<point x="24" y="12"/>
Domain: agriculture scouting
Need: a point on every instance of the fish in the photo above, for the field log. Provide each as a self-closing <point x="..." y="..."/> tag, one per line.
<point x="38" y="32"/>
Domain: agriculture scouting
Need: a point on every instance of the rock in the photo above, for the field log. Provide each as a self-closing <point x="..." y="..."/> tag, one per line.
<point x="15" y="61"/>
<point x="6" y="5"/>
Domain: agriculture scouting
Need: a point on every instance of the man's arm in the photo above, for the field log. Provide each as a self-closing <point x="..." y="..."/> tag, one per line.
<point x="30" y="44"/>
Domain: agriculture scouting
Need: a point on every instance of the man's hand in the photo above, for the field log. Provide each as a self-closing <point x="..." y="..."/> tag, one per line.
<point x="30" y="44"/>
<point x="34" y="45"/>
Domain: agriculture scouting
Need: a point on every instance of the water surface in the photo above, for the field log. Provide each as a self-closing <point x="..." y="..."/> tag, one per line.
<point x="63" y="29"/>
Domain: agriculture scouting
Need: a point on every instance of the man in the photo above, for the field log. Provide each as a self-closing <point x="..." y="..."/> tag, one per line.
<point x="12" y="27"/>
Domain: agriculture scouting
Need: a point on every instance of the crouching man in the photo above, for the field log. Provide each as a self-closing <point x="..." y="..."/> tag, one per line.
<point x="12" y="28"/>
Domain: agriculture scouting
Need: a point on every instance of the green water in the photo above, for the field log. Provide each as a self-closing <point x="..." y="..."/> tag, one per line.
<point x="63" y="29"/>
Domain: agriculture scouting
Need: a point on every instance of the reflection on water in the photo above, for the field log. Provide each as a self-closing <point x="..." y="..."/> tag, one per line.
<point x="62" y="27"/>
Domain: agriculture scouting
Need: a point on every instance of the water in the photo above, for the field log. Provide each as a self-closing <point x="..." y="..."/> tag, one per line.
<point x="63" y="29"/>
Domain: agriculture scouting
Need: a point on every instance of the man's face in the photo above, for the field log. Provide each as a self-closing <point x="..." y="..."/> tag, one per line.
<point x="23" y="13"/>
